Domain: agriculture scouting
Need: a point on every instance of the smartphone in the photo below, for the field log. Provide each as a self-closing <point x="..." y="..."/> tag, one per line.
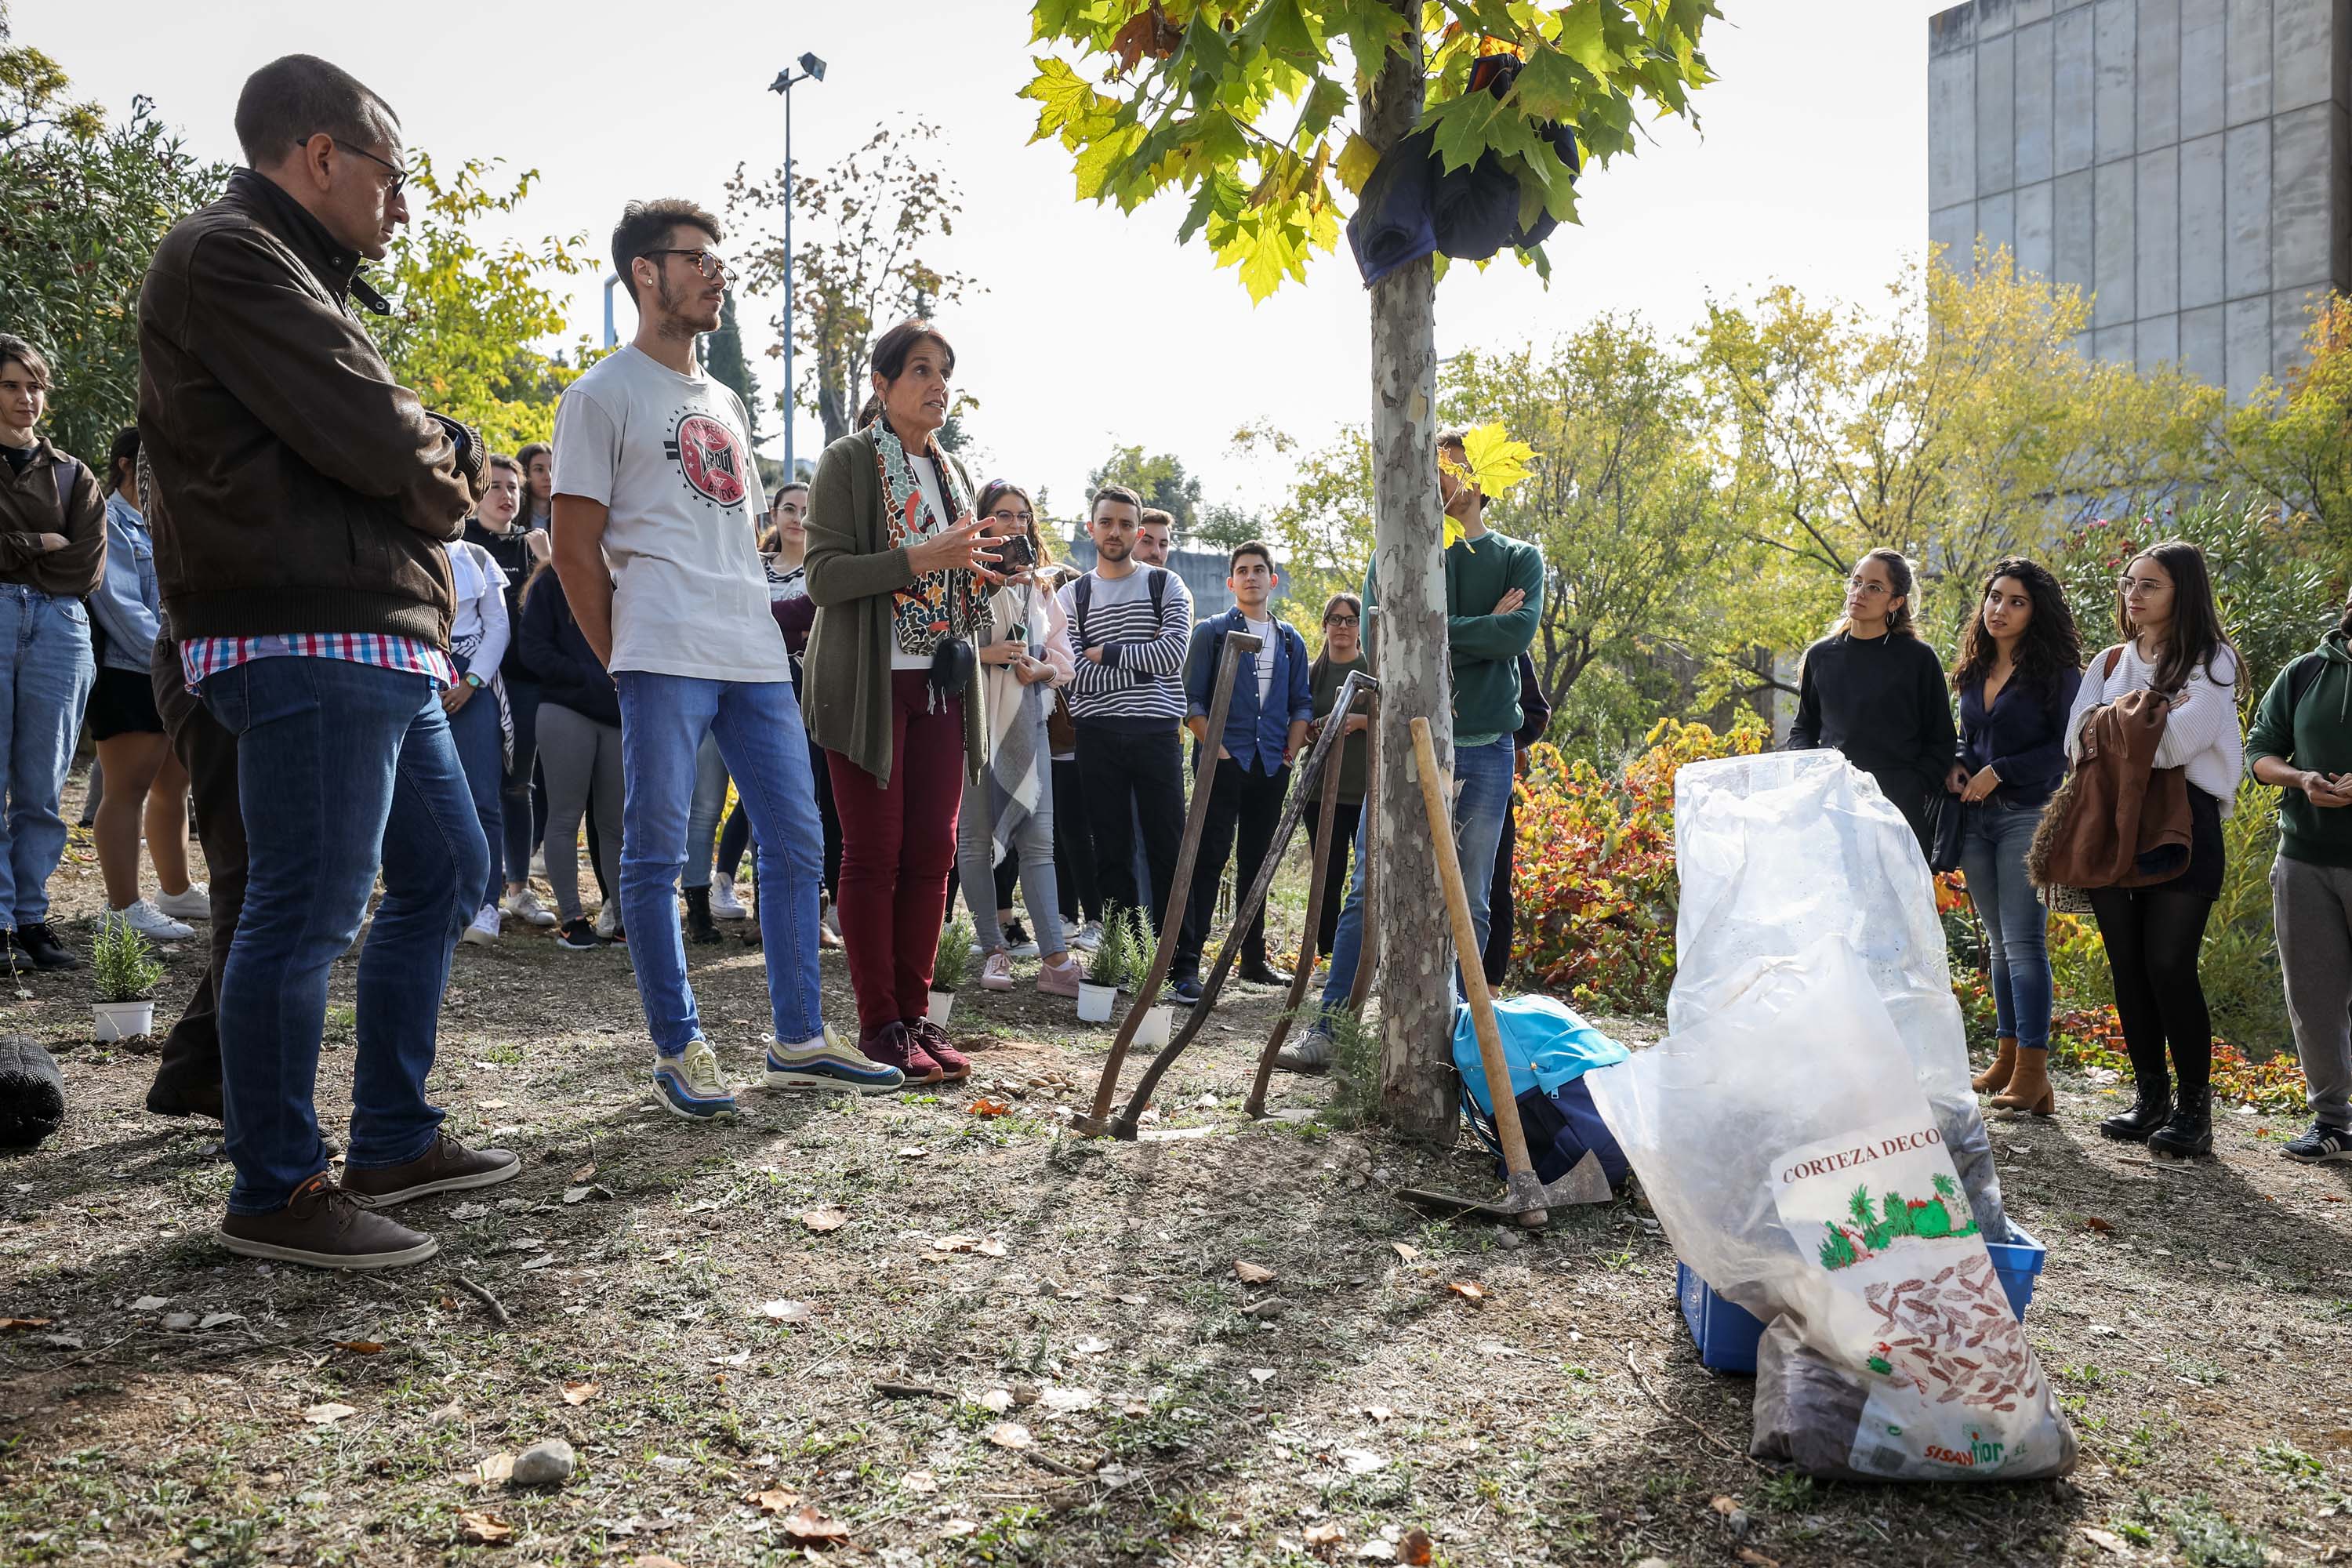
<point x="1014" y="555"/>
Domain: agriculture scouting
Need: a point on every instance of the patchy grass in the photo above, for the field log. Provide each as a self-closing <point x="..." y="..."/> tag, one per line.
<point x="1175" y="1414"/>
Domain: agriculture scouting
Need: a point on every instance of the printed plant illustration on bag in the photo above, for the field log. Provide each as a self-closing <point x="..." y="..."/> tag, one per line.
<point x="1918" y="1304"/>
<point x="1893" y="1218"/>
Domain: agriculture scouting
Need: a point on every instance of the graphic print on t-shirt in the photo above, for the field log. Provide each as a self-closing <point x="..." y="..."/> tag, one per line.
<point x="706" y="453"/>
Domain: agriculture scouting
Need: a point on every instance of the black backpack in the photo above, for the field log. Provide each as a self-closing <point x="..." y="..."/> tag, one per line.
<point x="1082" y="594"/>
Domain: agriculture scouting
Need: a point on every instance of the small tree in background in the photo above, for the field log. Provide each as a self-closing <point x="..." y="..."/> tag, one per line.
<point x="865" y="225"/>
<point x="1240" y="105"/>
<point x="83" y="203"/>
<point x="466" y="314"/>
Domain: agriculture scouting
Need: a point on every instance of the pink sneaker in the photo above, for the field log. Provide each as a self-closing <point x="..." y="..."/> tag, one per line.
<point x="996" y="972"/>
<point x="1060" y="980"/>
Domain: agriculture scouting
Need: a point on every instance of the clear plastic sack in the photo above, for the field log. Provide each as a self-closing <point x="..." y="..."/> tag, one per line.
<point x="1797" y="1167"/>
<point x="1778" y="851"/>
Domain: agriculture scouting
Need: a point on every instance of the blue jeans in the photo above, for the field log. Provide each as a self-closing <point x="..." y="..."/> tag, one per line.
<point x="514" y="798"/>
<point x="46" y="671"/>
<point x="757" y="726"/>
<point x="1484" y="775"/>
<point x="481" y="751"/>
<point x="341" y="767"/>
<point x="1993" y="857"/>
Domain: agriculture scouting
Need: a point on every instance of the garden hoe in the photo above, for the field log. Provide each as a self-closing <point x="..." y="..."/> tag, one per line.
<point x="1318" y="762"/>
<point x="1524" y="1198"/>
<point x="1172" y="919"/>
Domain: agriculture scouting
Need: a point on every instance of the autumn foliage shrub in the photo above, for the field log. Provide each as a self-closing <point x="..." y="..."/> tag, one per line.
<point x="1594" y="875"/>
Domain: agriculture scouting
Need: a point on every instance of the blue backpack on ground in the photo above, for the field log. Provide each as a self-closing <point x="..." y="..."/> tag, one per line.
<point x="1549" y="1049"/>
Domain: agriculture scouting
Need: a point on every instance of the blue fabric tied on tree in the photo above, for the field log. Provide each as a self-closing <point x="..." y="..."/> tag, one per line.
<point x="1549" y="1049"/>
<point x="1410" y="207"/>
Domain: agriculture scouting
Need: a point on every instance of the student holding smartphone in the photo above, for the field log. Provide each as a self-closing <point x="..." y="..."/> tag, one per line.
<point x="1009" y="813"/>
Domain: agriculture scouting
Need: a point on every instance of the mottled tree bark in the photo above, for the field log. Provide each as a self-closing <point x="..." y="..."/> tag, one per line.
<point x="1416" y="945"/>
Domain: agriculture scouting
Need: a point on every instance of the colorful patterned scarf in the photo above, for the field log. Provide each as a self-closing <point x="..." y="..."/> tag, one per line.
<point x="942" y="604"/>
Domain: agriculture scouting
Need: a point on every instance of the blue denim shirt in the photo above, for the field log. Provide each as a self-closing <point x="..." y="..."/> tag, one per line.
<point x="1255" y="736"/>
<point x="124" y="606"/>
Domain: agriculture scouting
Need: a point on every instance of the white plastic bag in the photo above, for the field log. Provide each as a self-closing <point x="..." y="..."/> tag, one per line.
<point x="1774" y="1138"/>
<point x="1778" y="851"/>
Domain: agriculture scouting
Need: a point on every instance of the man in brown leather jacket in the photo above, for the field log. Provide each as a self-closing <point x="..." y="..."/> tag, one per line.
<point x="302" y="498"/>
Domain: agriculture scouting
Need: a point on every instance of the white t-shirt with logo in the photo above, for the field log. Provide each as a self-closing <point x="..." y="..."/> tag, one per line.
<point x="670" y="457"/>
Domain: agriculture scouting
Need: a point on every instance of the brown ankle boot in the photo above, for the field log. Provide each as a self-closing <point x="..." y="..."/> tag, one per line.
<point x="1995" y="1079"/>
<point x="2029" y="1087"/>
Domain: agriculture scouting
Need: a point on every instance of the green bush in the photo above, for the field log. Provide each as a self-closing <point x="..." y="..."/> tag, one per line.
<point x="951" y="965"/>
<point x="122" y="965"/>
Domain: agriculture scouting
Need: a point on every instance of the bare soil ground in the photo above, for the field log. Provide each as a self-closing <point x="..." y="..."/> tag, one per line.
<point x="679" y="1314"/>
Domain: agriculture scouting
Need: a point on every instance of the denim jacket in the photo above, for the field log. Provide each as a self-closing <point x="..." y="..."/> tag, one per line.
<point x="124" y="606"/>
<point x="1255" y="735"/>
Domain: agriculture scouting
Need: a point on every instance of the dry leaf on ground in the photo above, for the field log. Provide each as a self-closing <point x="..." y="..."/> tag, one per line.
<point x="582" y="1392"/>
<point x="1469" y="1292"/>
<point x="807" y="1526"/>
<point x="922" y="1483"/>
<point x="824" y="1221"/>
<point x="783" y="1312"/>
<point x="1330" y="1532"/>
<point x="16" y="1325"/>
<point x="998" y="1400"/>
<point x="360" y="1347"/>
<point x="482" y="1529"/>
<point x="1416" y="1548"/>
<point x="2106" y="1540"/>
<point x="583" y="1173"/>
<point x="494" y="1471"/>
<point x="984" y="1105"/>
<point x="1405" y="1252"/>
<point x="914" y="1153"/>
<point x="1009" y="1435"/>
<point x="1755" y="1559"/>
<point x="328" y="1415"/>
<point x="1380" y="1413"/>
<point x="1250" y="1273"/>
<point x="2094" y="1221"/>
<point x="774" y="1501"/>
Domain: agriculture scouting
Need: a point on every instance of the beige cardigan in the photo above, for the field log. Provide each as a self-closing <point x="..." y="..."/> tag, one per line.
<point x="853" y="571"/>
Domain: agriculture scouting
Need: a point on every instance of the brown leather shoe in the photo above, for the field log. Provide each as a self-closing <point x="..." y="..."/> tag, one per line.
<point x="2029" y="1087"/>
<point x="1995" y="1079"/>
<point x="323" y="1226"/>
<point x="447" y="1167"/>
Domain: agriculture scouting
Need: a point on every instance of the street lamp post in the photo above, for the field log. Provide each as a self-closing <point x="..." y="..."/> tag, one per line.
<point x="812" y="69"/>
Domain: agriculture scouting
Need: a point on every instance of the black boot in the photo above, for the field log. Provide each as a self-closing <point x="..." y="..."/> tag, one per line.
<point x="2190" y="1129"/>
<point x="698" y="928"/>
<point x="2151" y="1110"/>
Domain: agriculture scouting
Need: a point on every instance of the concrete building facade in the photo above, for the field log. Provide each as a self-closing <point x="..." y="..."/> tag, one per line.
<point x="2187" y="163"/>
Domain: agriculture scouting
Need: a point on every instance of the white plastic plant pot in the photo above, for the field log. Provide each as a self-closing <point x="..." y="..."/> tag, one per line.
<point x="943" y="1004"/>
<point x="123" y="1020"/>
<point x="1095" y="1001"/>
<point x="1153" y="1032"/>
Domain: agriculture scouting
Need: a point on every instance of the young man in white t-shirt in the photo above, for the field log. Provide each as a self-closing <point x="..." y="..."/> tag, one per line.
<point x="657" y="505"/>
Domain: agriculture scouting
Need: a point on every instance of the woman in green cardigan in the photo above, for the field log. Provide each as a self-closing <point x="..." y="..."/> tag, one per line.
<point x="898" y="566"/>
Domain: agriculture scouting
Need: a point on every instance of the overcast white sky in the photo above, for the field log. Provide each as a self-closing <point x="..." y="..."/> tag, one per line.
<point x="1094" y="328"/>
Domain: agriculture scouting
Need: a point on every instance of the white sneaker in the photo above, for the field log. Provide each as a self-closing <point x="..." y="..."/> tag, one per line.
<point x="144" y="918"/>
<point x="525" y="906"/>
<point x="832" y="920"/>
<point x="608" y="919"/>
<point x="1087" y="937"/>
<point x="484" y="928"/>
<point x="194" y="904"/>
<point x="539" y="861"/>
<point x="724" y="904"/>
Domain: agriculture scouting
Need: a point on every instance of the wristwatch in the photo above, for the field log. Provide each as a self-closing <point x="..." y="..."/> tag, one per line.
<point x="473" y="681"/>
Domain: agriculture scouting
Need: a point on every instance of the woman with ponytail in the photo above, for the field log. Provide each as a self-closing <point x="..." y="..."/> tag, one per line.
<point x="1874" y="691"/>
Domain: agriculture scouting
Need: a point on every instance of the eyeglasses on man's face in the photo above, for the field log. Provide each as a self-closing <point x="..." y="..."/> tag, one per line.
<point x="709" y="264"/>
<point x="392" y="186"/>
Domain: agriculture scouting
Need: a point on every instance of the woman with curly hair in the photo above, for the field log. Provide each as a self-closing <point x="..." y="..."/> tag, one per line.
<point x="2021" y="661"/>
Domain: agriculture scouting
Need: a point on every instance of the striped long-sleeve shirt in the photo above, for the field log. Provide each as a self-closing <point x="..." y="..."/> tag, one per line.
<point x="1140" y="684"/>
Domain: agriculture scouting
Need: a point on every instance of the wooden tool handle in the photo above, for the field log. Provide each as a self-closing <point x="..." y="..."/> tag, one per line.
<point x="1519" y="1170"/>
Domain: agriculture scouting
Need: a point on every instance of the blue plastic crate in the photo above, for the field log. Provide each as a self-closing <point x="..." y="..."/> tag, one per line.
<point x="1727" y="1333"/>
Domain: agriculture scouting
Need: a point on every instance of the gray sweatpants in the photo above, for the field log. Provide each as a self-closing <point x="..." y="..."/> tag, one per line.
<point x="2312" y="908"/>
<point x="575" y="752"/>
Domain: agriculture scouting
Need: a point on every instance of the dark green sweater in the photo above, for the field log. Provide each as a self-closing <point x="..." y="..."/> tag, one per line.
<point x="1485" y="646"/>
<point x="2313" y="732"/>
